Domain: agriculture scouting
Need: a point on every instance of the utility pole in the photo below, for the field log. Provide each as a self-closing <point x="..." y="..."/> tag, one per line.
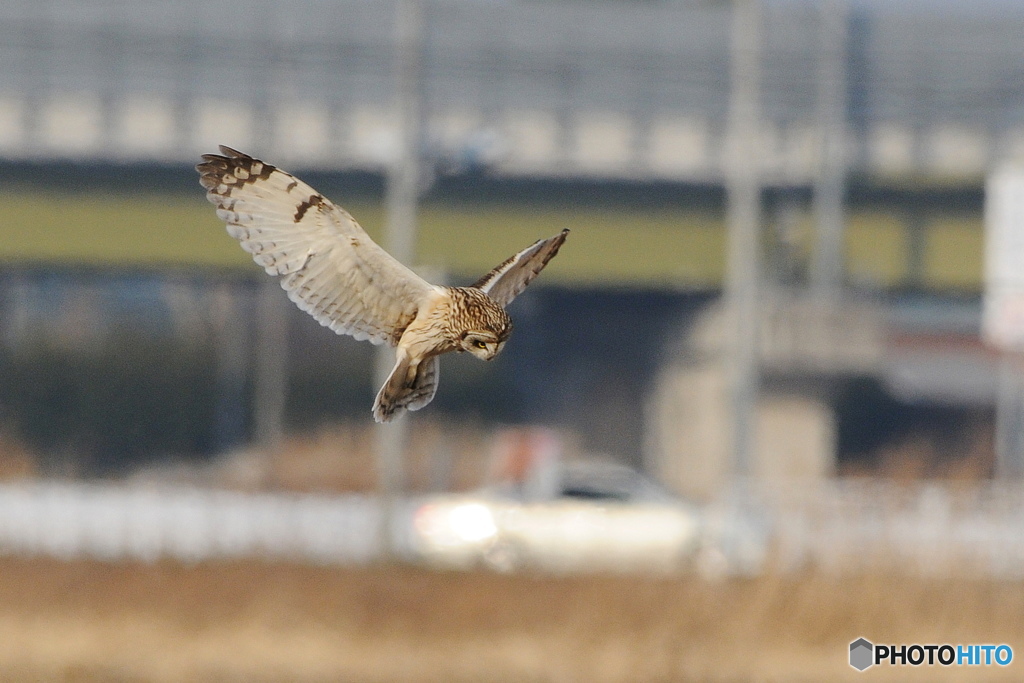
<point x="1002" y="323"/>
<point x="743" y="217"/>
<point x="404" y="174"/>
<point x="270" y="382"/>
<point x="827" y="262"/>
<point x="1009" y="463"/>
<point x="400" y="241"/>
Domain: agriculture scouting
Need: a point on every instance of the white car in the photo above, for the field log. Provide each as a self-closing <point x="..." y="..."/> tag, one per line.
<point x="594" y="517"/>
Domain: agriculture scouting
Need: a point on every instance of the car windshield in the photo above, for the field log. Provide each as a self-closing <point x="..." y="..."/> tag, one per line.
<point x="597" y="482"/>
<point x="590" y="493"/>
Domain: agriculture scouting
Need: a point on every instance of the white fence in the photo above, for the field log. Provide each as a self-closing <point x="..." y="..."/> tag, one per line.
<point x="836" y="527"/>
<point x="923" y="529"/>
<point x="109" y="522"/>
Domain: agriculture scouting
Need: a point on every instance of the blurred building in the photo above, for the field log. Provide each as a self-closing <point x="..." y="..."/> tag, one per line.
<point x="611" y="107"/>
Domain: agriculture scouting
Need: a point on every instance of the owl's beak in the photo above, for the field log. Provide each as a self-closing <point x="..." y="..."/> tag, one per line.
<point x="493" y="351"/>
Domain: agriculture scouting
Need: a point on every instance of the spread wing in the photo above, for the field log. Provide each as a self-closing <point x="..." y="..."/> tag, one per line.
<point x="328" y="264"/>
<point x="504" y="283"/>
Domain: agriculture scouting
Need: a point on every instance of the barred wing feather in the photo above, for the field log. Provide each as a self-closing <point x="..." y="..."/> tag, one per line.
<point x="505" y="282"/>
<point x="327" y="263"/>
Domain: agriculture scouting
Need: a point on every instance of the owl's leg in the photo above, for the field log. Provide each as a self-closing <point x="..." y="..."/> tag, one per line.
<point x="410" y="386"/>
<point x="424" y="386"/>
<point x="389" y="401"/>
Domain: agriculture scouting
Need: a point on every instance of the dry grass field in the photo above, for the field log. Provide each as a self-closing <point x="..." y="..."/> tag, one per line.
<point x="84" y="621"/>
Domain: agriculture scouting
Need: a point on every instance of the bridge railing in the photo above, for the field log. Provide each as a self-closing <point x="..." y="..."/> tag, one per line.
<point x="620" y="90"/>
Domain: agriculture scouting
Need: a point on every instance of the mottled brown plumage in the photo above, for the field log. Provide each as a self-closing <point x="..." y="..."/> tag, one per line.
<point x="333" y="270"/>
<point x="470" y="308"/>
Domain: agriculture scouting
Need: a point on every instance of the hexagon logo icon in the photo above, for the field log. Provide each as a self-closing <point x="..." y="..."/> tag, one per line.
<point x="861" y="654"/>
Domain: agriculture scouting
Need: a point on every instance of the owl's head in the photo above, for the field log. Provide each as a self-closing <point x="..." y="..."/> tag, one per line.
<point x="479" y="324"/>
<point x="484" y="344"/>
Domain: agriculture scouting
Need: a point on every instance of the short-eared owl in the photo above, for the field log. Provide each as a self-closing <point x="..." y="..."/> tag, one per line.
<point x="333" y="270"/>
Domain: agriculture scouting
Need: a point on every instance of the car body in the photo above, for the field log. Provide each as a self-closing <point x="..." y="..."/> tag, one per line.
<point x="588" y="517"/>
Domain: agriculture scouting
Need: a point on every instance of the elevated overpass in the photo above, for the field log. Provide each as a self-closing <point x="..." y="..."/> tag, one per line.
<point x="612" y="90"/>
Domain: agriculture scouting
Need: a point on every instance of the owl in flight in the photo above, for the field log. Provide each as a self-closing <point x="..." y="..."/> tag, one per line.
<point x="333" y="270"/>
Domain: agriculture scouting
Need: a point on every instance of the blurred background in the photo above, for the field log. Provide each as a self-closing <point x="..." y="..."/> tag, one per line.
<point x="787" y="320"/>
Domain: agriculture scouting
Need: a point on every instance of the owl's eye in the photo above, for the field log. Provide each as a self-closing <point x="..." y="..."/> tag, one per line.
<point x="479" y="344"/>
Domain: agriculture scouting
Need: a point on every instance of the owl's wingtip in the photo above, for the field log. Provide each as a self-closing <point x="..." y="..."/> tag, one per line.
<point x="231" y="153"/>
<point x="386" y="418"/>
<point x="383" y="412"/>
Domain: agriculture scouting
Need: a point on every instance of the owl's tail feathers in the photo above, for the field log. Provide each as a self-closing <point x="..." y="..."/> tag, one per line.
<point x="408" y="387"/>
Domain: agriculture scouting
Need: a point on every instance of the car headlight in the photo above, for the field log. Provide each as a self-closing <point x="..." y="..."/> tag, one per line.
<point x="456" y="524"/>
<point x="472" y="522"/>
